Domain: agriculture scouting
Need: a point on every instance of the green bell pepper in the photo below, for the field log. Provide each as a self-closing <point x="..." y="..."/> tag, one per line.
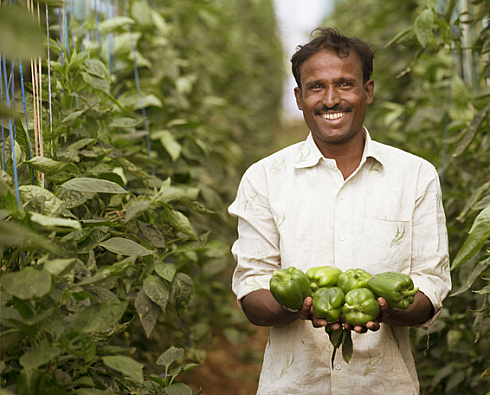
<point x="328" y="302"/>
<point x="396" y="288"/>
<point x="290" y="287"/>
<point x="352" y="279"/>
<point x="360" y="307"/>
<point x="322" y="277"/>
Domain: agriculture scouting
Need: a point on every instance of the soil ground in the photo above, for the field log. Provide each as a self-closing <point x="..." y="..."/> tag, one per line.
<point x="234" y="369"/>
<point x="230" y="369"/>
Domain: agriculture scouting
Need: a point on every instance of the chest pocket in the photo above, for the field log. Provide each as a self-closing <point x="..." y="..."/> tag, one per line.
<point x="387" y="245"/>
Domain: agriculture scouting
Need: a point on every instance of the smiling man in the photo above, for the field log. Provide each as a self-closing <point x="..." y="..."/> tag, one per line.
<point x="343" y="200"/>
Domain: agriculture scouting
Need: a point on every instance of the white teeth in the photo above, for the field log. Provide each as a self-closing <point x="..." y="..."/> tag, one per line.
<point x="333" y="116"/>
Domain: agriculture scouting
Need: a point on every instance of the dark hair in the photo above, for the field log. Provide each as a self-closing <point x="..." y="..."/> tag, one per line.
<point x="332" y="39"/>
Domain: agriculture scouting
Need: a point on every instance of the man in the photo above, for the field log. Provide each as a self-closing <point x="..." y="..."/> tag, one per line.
<point x="343" y="200"/>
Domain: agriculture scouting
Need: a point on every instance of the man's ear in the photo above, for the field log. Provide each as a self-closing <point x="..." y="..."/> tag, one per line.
<point x="369" y="89"/>
<point x="299" y="96"/>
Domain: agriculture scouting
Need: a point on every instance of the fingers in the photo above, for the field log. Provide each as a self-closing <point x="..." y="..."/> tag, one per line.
<point x="306" y="311"/>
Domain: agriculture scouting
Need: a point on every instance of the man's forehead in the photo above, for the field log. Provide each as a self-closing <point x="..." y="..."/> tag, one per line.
<point x="348" y="62"/>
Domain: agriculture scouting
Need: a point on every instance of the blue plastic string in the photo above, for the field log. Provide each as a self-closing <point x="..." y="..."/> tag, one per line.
<point x="12" y="82"/>
<point x="138" y="88"/>
<point x="67" y="40"/>
<point x="97" y="27"/>
<point x="1" y="101"/>
<point x="25" y="113"/>
<point x="12" y="141"/>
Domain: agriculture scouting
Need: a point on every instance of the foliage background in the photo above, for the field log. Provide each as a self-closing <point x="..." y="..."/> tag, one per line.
<point x="99" y="278"/>
<point x="428" y="103"/>
<point x="117" y="265"/>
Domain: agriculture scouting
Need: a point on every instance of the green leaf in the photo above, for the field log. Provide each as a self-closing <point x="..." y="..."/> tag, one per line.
<point x="96" y="82"/>
<point x="139" y="100"/>
<point x="347" y="346"/>
<point x="182" y="291"/>
<point x="399" y="36"/>
<point x="472" y="129"/>
<point x="50" y="166"/>
<point x="157" y="290"/>
<point x="114" y="24"/>
<point x="147" y="311"/>
<point x="169" y="142"/>
<point x="177" y="192"/>
<point x="72" y="199"/>
<point x="27" y="283"/>
<point x="127" y="366"/>
<point x="166" y="270"/>
<point x="12" y="234"/>
<point x="84" y="391"/>
<point x="485" y="290"/>
<point x="120" y="245"/>
<point x="126" y="123"/>
<point x="474" y="276"/>
<point x="423" y="26"/>
<point x="39" y="355"/>
<point x="153" y="233"/>
<point x="20" y="34"/>
<point x="486" y="373"/>
<point x="73" y="116"/>
<point x="51" y="223"/>
<point x="478" y="236"/>
<point x="52" y="205"/>
<point x="135" y="208"/>
<point x="79" y="144"/>
<point x="59" y="267"/>
<point x="96" y="68"/>
<point x="110" y="271"/>
<point x="178" y="389"/>
<point x="96" y="318"/>
<point x="179" y="221"/>
<point x="93" y="185"/>
<point x="168" y="357"/>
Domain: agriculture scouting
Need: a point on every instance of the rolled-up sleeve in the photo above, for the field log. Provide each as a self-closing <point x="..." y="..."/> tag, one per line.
<point x="256" y="250"/>
<point x="430" y="259"/>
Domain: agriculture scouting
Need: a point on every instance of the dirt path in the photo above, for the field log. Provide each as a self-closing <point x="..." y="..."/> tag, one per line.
<point x="230" y="369"/>
<point x="234" y="369"/>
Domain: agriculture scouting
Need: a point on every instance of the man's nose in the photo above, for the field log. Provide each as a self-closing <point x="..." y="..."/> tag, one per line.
<point x="331" y="97"/>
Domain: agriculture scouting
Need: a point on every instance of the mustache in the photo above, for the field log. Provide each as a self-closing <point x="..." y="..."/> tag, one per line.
<point x="336" y="108"/>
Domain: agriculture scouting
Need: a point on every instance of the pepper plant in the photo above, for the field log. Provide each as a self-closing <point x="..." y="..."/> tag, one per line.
<point x="113" y="258"/>
<point x="426" y="103"/>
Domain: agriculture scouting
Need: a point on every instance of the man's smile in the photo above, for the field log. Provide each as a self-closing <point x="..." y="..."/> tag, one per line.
<point x="333" y="116"/>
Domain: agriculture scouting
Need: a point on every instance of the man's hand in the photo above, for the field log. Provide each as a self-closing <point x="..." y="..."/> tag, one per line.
<point x="262" y="309"/>
<point x="420" y="311"/>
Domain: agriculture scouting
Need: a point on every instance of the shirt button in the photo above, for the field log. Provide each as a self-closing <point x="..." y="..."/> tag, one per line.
<point x="341" y="196"/>
<point x="337" y="366"/>
<point x="341" y="238"/>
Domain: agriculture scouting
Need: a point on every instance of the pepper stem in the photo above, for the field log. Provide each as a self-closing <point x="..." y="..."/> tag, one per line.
<point x="411" y="292"/>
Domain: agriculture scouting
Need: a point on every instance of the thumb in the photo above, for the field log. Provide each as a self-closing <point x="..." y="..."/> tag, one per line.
<point x="304" y="313"/>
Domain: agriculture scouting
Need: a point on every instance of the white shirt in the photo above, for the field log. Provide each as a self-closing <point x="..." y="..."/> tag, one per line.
<point x="295" y="209"/>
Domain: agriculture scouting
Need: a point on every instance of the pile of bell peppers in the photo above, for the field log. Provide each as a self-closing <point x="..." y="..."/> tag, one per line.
<point x="351" y="294"/>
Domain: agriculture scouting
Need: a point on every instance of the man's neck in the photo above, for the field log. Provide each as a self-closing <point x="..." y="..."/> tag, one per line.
<point x="348" y="156"/>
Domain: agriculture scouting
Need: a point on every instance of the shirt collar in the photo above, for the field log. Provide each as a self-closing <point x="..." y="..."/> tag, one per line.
<point x="310" y="155"/>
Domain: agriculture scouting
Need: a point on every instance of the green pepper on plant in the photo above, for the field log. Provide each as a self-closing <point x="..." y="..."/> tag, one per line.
<point x="322" y="277"/>
<point x="360" y="307"/>
<point x="396" y="288"/>
<point x="290" y="287"/>
<point x="328" y="302"/>
<point x="352" y="279"/>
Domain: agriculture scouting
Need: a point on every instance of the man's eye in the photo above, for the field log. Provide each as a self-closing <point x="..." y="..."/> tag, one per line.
<point x="345" y="84"/>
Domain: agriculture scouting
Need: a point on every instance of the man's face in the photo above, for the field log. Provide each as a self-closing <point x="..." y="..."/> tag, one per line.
<point x="333" y="97"/>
